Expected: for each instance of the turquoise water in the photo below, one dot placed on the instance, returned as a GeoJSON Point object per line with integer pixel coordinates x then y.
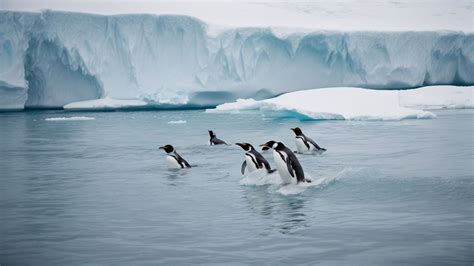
{"type": "Point", "coordinates": [98, 191]}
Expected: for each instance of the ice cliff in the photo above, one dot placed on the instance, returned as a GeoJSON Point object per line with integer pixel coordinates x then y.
{"type": "Point", "coordinates": [51, 59]}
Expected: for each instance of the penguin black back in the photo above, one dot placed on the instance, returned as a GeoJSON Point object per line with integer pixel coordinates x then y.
{"type": "Point", "coordinates": [257, 158]}
{"type": "Point", "coordinates": [213, 140]}
{"type": "Point", "coordinates": [287, 163]}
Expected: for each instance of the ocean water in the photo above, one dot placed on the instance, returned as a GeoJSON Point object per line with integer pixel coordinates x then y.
{"type": "Point", "coordinates": [95, 189]}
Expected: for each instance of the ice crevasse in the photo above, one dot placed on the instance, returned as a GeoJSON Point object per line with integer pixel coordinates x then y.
{"type": "Point", "coordinates": [51, 59]}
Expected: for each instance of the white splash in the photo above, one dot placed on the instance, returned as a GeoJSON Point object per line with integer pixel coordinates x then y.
{"type": "Point", "coordinates": [292, 189]}
{"type": "Point", "coordinates": [260, 178]}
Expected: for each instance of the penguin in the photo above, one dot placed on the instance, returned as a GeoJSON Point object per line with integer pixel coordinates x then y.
{"type": "Point", "coordinates": [305, 144]}
{"type": "Point", "coordinates": [173, 159]}
{"type": "Point", "coordinates": [214, 140]}
{"type": "Point", "coordinates": [286, 163]}
{"type": "Point", "coordinates": [253, 159]}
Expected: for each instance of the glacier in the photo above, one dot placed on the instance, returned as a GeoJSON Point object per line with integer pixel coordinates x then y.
{"type": "Point", "coordinates": [51, 59]}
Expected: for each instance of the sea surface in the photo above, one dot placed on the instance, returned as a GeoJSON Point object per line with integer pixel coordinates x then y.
{"type": "Point", "coordinates": [94, 189]}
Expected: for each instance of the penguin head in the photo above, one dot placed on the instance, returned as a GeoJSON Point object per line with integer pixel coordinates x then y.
{"type": "Point", "coordinates": [271, 145]}
{"type": "Point", "coordinates": [246, 146]}
{"type": "Point", "coordinates": [297, 131]}
{"type": "Point", "coordinates": [211, 133]}
{"type": "Point", "coordinates": [167, 148]}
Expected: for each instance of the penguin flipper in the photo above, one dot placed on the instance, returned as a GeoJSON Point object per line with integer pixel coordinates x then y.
{"type": "Point", "coordinates": [262, 161]}
{"type": "Point", "coordinates": [315, 144]}
{"type": "Point", "coordinates": [182, 161]}
{"type": "Point", "coordinates": [290, 168]}
{"type": "Point", "coordinates": [186, 163]}
{"type": "Point", "coordinates": [242, 168]}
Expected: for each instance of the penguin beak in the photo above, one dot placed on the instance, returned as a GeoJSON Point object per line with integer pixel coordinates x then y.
{"type": "Point", "coordinates": [264, 145]}
{"type": "Point", "coordinates": [161, 148]}
{"type": "Point", "coordinates": [239, 144]}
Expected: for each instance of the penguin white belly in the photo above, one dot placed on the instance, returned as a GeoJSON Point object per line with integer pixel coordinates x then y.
{"type": "Point", "coordinates": [300, 145]}
{"type": "Point", "coordinates": [171, 162]}
{"type": "Point", "coordinates": [250, 164]}
{"type": "Point", "coordinates": [285, 176]}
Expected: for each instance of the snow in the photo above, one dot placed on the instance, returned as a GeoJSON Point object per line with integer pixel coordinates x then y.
{"type": "Point", "coordinates": [104, 104]}
{"type": "Point", "coordinates": [351, 103]}
{"type": "Point", "coordinates": [59, 58]}
{"type": "Point", "coordinates": [438, 97]}
{"type": "Point", "coordinates": [73, 118]}
{"type": "Point", "coordinates": [347, 15]}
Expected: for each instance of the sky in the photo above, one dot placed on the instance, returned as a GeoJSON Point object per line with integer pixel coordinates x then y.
{"type": "Point", "coordinates": [378, 15]}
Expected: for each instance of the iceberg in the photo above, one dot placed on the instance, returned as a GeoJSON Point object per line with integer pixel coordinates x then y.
{"type": "Point", "coordinates": [351, 103]}
{"type": "Point", "coordinates": [51, 59]}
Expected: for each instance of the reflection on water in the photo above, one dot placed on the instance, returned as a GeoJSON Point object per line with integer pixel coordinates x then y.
{"type": "Point", "coordinates": [285, 213]}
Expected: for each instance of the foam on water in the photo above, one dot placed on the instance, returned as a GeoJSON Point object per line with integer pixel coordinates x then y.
{"type": "Point", "coordinates": [177, 122]}
{"type": "Point", "coordinates": [293, 189]}
{"type": "Point", "coordinates": [72, 118]}
{"type": "Point", "coordinates": [262, 178]}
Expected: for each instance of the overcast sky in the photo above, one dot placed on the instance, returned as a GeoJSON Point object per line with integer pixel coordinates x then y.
{"type": "Point", "coordinates": [320, 14]}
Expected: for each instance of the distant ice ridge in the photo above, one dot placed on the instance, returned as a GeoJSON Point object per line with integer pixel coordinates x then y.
{"type": "Point", "coordinates": [51, 59]}
{"type": "Point", "coordinates": [356, 103]}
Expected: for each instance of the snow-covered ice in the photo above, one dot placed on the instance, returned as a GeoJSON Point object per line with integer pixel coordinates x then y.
{"type": "Point", "coordinates": [104, 104]}
{"type": "Point", "coordinates": [347, 15]}
{"type": "Point", "coordinates": [438, 97]}
{"type": "Point", "coordinates": [356, 103]}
